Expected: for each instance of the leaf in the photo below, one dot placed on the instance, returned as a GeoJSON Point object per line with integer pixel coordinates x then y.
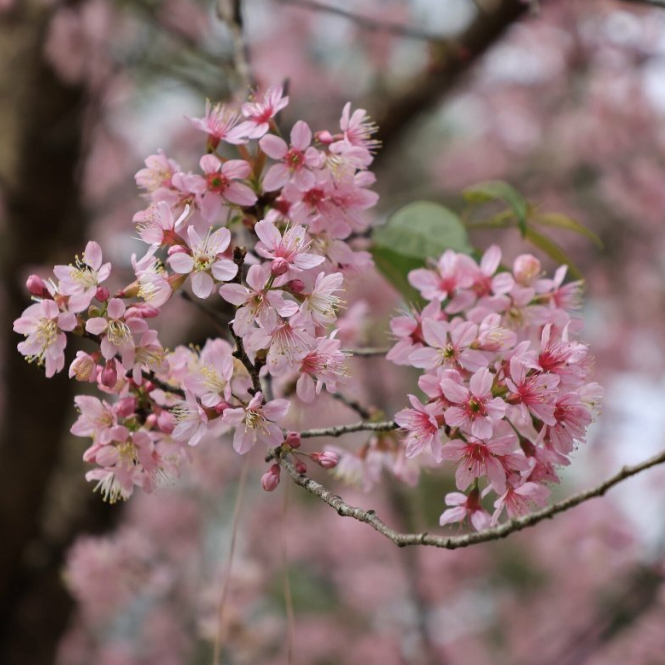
{"type": "Point", "coordinates": [419, 231]}
{"type": "Point", "coordinates": [553, 250]}
{"type": "Point", "coordinates": [565, 222]}
{"type": "Point", "coordinates": [502, 191]}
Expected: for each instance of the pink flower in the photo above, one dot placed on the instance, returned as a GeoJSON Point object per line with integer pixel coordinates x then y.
{"type": "Point", "coordinates": [322, 304]}
{"type": "Point", "coordinates": [259, 113]}
{"type": "Point", "coordinates": [80, 282]}
{"type": "Point", "coordinates": [157, 226]}
{"type": "Point", "coordinates": [97, 420]}
{"type": "Point", "coordinates": [358, 128]}
{"type": "Point", "coordinates": [463, 506]}
{"type": "Point", "coordinates": [116, 334]}
{"type": "Point", "coordinates": [477, 459]}
{"type": "Point", "coordinates": [409, 332]}
{"type": "Point", "coordinates": [454, 271]}
{"type": "Point", "coordinates": [296, 160]}
{"type": "Point", "coordinates": [210, 380]}
{"type": "Point", "coordinates": [191, 420]}
{"type": "Point", "coordinates": [205, 260]}
{"type": "Point", "coordinates": [570, 420]}
{"type": "Point", "coordinates": [158, 172]}
{"type": "Point", "coordinates": [477, 411]}
{"type": "Point", "coordinates": [219, 123]}
{"type": "Point", "coordinates": [153, 283]}
{"type": "Point", "coordinates": [324, 366]}
{"type": "Point", "coordinates": [83, 368]}
{"type": "Point", "coordinates": [449, 345]}
{"type": "Point", "coordinates": [44, 327]}
{"type": "Point", "coordinates": [257, 302]}
{"type": "Point", "coordinates": [516, 500]}
{"type": "Point", "coordinates": [256, 423]}
{"type": "Point", "coordinates": [289, 249]}
{"type": "Point", "coordinates": [422, 423]}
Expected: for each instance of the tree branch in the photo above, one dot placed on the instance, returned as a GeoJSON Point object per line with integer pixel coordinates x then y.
{"type": "Point", "coordinates": [456, 542]}
{"type": "Point", "coordinates": [339, 430]}
{"type": "Point", "coordinates": [366, 352]}
{"type": "Point", "coordinates": [366, 22]}
{"type": "Point", "coordinates": [230, 11]}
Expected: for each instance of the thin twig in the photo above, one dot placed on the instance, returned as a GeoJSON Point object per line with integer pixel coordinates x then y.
{"type": "Point", "coordinates": [361, 410]}
{"type": "Point", "coordinates": [366, 352]}
{"type": "Point", "coordinates": [339, 430]}
{"type": "Point", "coordinates": [218, 318]}
{"type": "Point", "coordinates": [230, 11]}
{"type": "Point", "coordinates": [365, 22]}
{"type": "Point", "coordinates": [456, 542]}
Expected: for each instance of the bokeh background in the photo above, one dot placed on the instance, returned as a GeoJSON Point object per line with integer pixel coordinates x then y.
{"type": "Point", "coordinates": [564, 99]}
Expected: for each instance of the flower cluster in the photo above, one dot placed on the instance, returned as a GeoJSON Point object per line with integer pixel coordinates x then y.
{"type": "Point", "coordinates": [266, 227]}
{"type": "Point", "coordinates": [506, 384]}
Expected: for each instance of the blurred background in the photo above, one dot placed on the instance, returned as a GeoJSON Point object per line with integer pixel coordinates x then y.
{"type": "Point", "coordinates": [562, 98]}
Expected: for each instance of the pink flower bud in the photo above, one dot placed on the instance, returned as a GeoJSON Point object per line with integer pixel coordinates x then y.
{"type": "Point", "coordinates": [125, 407]}
{"type": "Point", "coordinates": [279, 266]}
{"type": "Point", "coordinates": [526, 268]}
{"type": "Point", "coordinates": [324, 137]}
{"type": "Point", "coordinates": [177, 249]}
{"type": "Point", "coordinates": [166, 422]}
{"type": "Point", "coordinates": [109, 375]}
{"type": "Point", "coordinates": [293, 439]}
{"type": "Point", "coordinates": [141, 310]}
{"type": "Point", "coordinates": [37, 287]}
{"type": "Point", "coordinates": [270, 479]}
{"type": "Point", "coordinates": [151, 421]}
{"type": "Point", "coordinates": [221, 407]}
{"type": "Point", "coordinates": [328, 460]}
{"type": "Point", "coordinates": [297, 285]}
{"type": "Point", "coordinates": [301, 467]}
{"type": "Point", "coordinates": [102, 294]}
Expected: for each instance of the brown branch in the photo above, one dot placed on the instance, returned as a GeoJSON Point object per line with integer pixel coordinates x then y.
{"type": "Point", "coordinates": [339, 430]}
{"type": "Point", "coordinates": [361, 410]}
{"type": "Point", "coordinates": [365, 22]}
{"type": "Point", "coordinates": [230, 11]}
{"type": "Point", "coordinates": [456, 542]}
{"type": "Point", "coordinates": [366, 352]}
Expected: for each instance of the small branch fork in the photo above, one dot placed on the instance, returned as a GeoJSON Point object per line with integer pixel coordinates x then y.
{"type": "Point", "coordinates": [448, 542]}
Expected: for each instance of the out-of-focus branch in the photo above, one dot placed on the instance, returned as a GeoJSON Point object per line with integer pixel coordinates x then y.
{"type": "Point", "coordinates": [456, 542]}
{"type": "Point", "coordinates": [366, 22]}
{"type": "Point", "coordinates": [230, 11]}
{"type": "Point", "coordinates": [361, 410]}
{"type": "Point", "coordinates": [339, 430]}
{"type": "Point", "coordinates": [450, 62]}
{"type": "Point", "coordinates": [652, 3]}
{"type": "Point", "coordinates": [366, 352]}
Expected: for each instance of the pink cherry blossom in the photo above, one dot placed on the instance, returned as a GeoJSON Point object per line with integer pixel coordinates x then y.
{"type": "Point", "coordinates": [461, 507]}
{"type": "Point", "coordinates": [322, 304]}
{"type": "Point", "coordinates": [454, 271]}
{"type": "Point", "coordinates": [261, 111]}
{"type": "Point", "coordinates": [221, 124]}
{"type": "Point", "coordinates": [191, 420]}
{"type": "Point", "coordinates": [324, 366]}
{"type": "Point", "coordinates": [44, 327]}
{"type": "Point", "coordinates": [422, 422]}
{"type": "Point", "coordinates": [516, 500]}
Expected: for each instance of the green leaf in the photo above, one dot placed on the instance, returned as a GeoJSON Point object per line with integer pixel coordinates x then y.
{"type": "Point", "coordinates": [502, 191]}
{"type": "Point", "coordinates": [415, 233]}
{"type": "Point", "coordinates": [553, 250]}
{"type": "Point", "coordinates": [565, 222]}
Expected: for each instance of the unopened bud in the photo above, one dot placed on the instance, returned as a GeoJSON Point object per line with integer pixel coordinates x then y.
{"type": "Point", "coordinates": [109, 376]}
{"type": "Point", "coordinates": [293, 439]}
{"type": "Point", "coordinates": [37, 287]}
{"type": "Point", "coordinates": [125, 407]}
{"type": "Point", "coordinates": [166, 422]}
{"type": "Point", "coordinates": [141, 310]}
{"type": "Point", "coordinates": [177, 249]}
{"type": "Point", "coordinates": [151, 421]}
{"type": "Point", "coordinates": [102, 294]}
{"type": "Point", "coordinates": [279, 266]}
{"type": "Point", "coordinates": [324, 137]}
{"type": "Point", "coordinates": [270, 479]}
{"type": "Point", "coordinates": [297, 285]}
{"type": "Point", "coordinates": [526, 268]}
{"type": "Point", "coordinates": [328, 460]}
{"type": "Point", "coordinates": [301, 467]}
{"type": "Point", "coordinates": [221, 407]}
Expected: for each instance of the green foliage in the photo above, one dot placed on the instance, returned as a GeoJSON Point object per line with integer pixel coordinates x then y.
{"type": "Point", "coordinates": [419, 231]}
{"type": "Point", "coordinates": [502, 191]}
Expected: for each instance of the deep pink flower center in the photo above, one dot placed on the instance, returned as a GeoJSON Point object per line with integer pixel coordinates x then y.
{"type": "Point", "coordinates": [217, 182]}
{"type": "Point", "coordinates": [294, 159]}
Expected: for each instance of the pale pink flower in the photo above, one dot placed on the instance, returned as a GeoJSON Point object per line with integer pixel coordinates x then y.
{"type": "Point", "coordinates": [260, 112]}
{"type": "Point", "coordinates": [157, 226]}
{"type": "Point", "coordinates": [44, 327]}
{"type": "Point", "coordinates": [257, 302]}
{"type": "Point", "coordinates": [210, 380]}
{"type": "Point", "coordinates": [205, 260]}
{"type": "Point", "coordinates": [158, 172]}
{"type": "Point", "coordinates": [153, 283]}
{"type": "Point", "coordinates": [220, 123]}
{"type": "Point", "coordinates": [97, 420]}
{"type": "Point", "coordinates": [477, 459]}
{"type": "Point", "coordinates": [526, 269]}
{"type": "Point", "coordinates": [83, 367]}
{"type": "Point", "coordinates": [358, 128]}
{"type": "Point", "coordinates": [324, 366]}
{"type": "Point", "coordinates": [80, 281]}
{"type": "Point", "coordinates": [409, 332]}
{"type": "Point", "coordinates": [362, 470]}
{"type": "Point", "coordinates": [476, 412]}
{"type": "Point", "coordinates": [256, 423]}
{"type": "Point", "coordinates": [449, 345]}
{"type": "Point", "coordinates": [322, 304]}
{"type": "Point", "coordinates": [516, 500]}
{"type": "Point", "coordinates": [422, 422]}
{"type": "Point", "coordinates": [532, 391]}
{"type": "Point", "coordinates": [486, 281]}
{"type": "Point", "coordinates": [570, 420]}
{"type": "Point", "coordinates": [191, 420]}
{"type": "Point", "coordinates": [461, 507]}
{"type": "Point", "coordinates": [114, 330]}
{"type": "Point", "coordinates": [454, 271]}
{"type": "Point", "coordinates": [148, 352]}
{"type": "Point", "coordinates": [296, 160]}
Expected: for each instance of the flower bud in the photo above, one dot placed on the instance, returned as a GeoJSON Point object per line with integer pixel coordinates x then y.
{"type": "Point", "coordinates": [151, 421]}
{"type": "Point", "coordinates": [109, 376]}
{"type": "Point", "coordinates": [297, 285]}
{"type": "Point", "coordinates": [327, 459]}
{"type": "Point", "coordinates": [141, 310]}
{"type": "Point", "coordinates": [177, 249]}
{"type": "Point", "coordinates": [526, 268]}
{"type": "Point", "coordinates": [166, 422]}
{"type": "Point", "coordinates": [279, 266]}
{"type": "Point", "coordinates": [270, 479]}
{"type": "Point", "coordinates": [324, 137]}
{"type": "Point", "coordinates": [102, 294]}
{"type": "Point", "coordinates": [301, 467]}
{"type": "Point", "coordinates": [293, 439]}
{"type": "Point", "coordinates": [125, 407]}
{"type": "Point", "coordinates": [37, 287]}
